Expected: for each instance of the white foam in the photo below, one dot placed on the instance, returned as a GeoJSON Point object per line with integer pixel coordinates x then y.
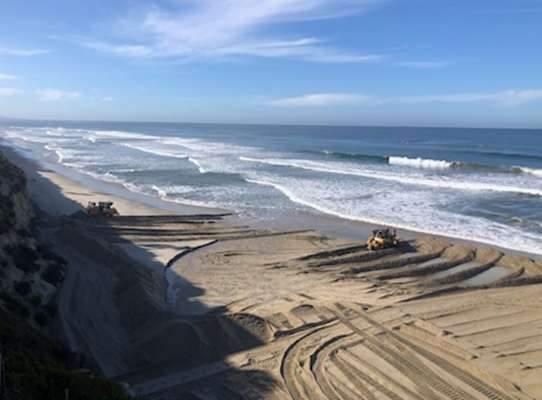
{"type": "Point", "coordinates": [531, 171]}
{"type": "Point", "coordinates": [161, 192]}
{"type": "Point", "coordinates": [164, 191]}
{"type": "Point", "coordinates": [197, 164]}
{"type": "Point", "coordinates": [122, 135]}
{"type": "Point", "coordinates": [411, 210]}
{"type": "Point", "coordinates": [434, 181]}
{"type": "Point", "coordinates": [419, 162]}
{"type": "Point", "coordinates": [414, 191]}
{"type": "Point", "coordinates": [147, 148]}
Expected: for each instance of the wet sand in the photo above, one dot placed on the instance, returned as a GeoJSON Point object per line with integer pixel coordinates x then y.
{"type": "Point", "coordinates": [180, 302]}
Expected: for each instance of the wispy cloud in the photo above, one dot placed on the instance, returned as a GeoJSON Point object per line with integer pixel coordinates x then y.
{"type": "Point", "coordinates": [509, 98]}
{"type": "Point", "coordinates": [7, 51]}
{"type": "Point", "coordinates": [222, 29]}
{"type": "Point", "coordinates": [4, 92]}
{"type": "Point", "coordinates": [505, 97]}
{"type": "Point", "coordinates": [7, 77]}
{"type": "Point", "coordinates": [322, 99]}
{"type": "Point", "coordinates": [121, 50]}
{"type": "Point", "coordinates": [55, 95]}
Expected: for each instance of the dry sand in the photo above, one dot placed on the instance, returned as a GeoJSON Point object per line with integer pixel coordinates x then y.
{"type": "Point", "coordinates": [269, 314]}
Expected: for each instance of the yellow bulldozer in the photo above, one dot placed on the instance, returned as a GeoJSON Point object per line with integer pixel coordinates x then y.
{"type": "Point", "coordinates": [381, 239]}
{"type": "Point", "coordinates": [102, 209]}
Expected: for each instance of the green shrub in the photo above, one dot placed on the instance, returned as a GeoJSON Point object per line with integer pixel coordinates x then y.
{"type": "Point", "coordinates": [41, 318]}
{"type": "Point", "coordinates": [36, 300]}
{"type": "Point", "coordinates": [49, 254]}
{"type": "Point", "coordinates": [14, 305]}
{"type": "Point", "coordinates": [7, 214]}
{"type": "Point", "coordinates": [23, 256]}
{"type": "Point", "coordinates": [28, 377]}
{"type": "Point", "coordinates": [24, 233]}
{"type": "Point", "coordinates": [23, 288]}
{"type": "Point", "coordinates": [54, 274]}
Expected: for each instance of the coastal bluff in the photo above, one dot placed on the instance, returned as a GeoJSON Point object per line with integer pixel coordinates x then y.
{"type": "Point", "coordinates": [33, 365]}
{"type": "Point", "coordinates": [30, 271]}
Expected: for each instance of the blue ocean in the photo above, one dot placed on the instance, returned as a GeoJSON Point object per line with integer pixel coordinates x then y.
{"type": "Point", "coordinates": [476, 184]}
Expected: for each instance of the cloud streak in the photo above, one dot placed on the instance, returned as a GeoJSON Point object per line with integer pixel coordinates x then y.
{"type": "Point", "coordinates": [56, 95]}
{"type": "Point", "coordinates": [5, 92]}
{"type": "Point", "coordinates": [7, 51]}
{"type": "Point", "coordinates": [322, 99]}
{"type": "Point", "coordinates": [508, 98]}
{"type": "Point", "coordinates": [223, 29]}
{"type": "Point", "coordinates": [7, 77]}
{"type": "Point", "coordinates": [505, 97]}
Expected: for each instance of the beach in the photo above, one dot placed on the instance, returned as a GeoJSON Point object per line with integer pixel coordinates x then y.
{"type": "Point", "coordinates": [176, 300]}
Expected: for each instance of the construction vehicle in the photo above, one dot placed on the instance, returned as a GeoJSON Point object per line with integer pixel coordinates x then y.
{"type": "Point", "coordinates": [102, 209]}
{"type": "Point", "coordinates": [381, 239]}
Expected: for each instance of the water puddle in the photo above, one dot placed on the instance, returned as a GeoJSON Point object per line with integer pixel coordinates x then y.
{"type": "Point", "coordinates": [486, 277]}
{"type": "Point", "coordinates": [456, 269]}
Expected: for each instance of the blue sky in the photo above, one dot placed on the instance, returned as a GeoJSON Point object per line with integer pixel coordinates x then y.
{"type": "Point", "coordinates": [347, 62]}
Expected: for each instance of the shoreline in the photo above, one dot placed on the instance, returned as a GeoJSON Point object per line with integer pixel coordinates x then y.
{"type": "Point", "coordinates": [77, 190]}
{"type": "Point", "coordinates": [88, 188]}
{"type": "Point", "coordinates": [266, 296]}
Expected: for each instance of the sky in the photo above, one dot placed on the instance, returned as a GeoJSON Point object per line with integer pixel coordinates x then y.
{"type": "Point", "coordinates": [467, 63]}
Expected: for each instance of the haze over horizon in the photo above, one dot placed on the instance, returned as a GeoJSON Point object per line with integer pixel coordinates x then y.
{"type": "Point", "coordinates": [330, 62]}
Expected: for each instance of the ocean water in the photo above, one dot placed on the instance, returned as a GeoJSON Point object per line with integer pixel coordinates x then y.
{"type": "Point", "coordinates": [475, 184]}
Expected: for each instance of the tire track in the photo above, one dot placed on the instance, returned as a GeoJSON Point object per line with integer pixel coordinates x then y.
{"type": "Point", "coordinates": [290, 360]}
{"type": "Point", "coordinates": [429, 382]}
{"type": "Point", "coordinates": [401, 388]}
{"type": "Point", "coordinates": [317, 364]}
{"type": "Point", "coordinates": [353, 377]}
{"type": "Point", "coordinates": [477, 384]}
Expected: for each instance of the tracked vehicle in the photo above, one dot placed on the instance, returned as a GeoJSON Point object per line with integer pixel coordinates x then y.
{"type": "Point", "coordinates": [381, 239]}
{"type": "Point", "coordinates": [102, 209]}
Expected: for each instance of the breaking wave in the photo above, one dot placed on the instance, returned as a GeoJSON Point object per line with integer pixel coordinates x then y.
{"type": "Point", "coordinates": [420, 162]}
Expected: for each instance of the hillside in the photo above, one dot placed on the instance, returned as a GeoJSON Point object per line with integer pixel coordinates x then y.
{"type": "Point", "coordinates": [30, 272]}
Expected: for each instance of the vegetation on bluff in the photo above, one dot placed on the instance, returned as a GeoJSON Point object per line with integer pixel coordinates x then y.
{"type": "Point", "coordinates": [34, 366]}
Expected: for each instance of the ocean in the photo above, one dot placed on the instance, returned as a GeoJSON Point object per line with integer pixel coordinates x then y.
{"type": "Point", "coordinates": [483, 185]}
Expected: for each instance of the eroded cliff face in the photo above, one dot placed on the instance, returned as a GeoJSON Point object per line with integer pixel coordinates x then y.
{"type": "Point", "coordinates": [29, 271]}
{"type": "Point", "coordinates": [15, 207]}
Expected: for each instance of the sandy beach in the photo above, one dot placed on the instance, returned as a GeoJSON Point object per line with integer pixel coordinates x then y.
{"type": "Point", "coordinates": [182, 302]}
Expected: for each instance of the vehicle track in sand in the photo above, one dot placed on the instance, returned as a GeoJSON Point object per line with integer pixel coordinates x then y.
{"type": "Point", "coordinates": [395, 349]}
{"type": "Point", "coordinates": [292, 363]}
{"type": "Point", "coordinates": [324, 346]}
{"type": "Point", "coordinates": [317, 366]}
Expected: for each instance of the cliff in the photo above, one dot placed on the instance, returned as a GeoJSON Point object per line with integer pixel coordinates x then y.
{"type": "Point", "coordinates": [29, 271]}
{"type": "Point", "coordinates": [34, 367]}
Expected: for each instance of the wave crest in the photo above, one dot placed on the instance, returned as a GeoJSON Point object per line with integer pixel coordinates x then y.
{"type": "Point", "coordinates": [420, 162]}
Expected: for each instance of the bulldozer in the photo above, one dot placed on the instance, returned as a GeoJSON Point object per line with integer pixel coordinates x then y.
{"type": "Point", "coordinates": [102, 209]}
{"type": "Point", "coordinates": [381, 239]}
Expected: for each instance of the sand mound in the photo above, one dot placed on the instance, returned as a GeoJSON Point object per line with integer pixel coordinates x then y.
{"type": "Point", "coordinates": [156, 333]}
{"type": "Point", "coordinates": [465, 252]}
{"type": "Point", "coordinates": [251, 327]}
{"type": "Point", "coordinates": [486, 255]}
{"type": "Point", "coordinates": [174, 340]}
{"type": "Point", "coordinates": [429, 245]}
